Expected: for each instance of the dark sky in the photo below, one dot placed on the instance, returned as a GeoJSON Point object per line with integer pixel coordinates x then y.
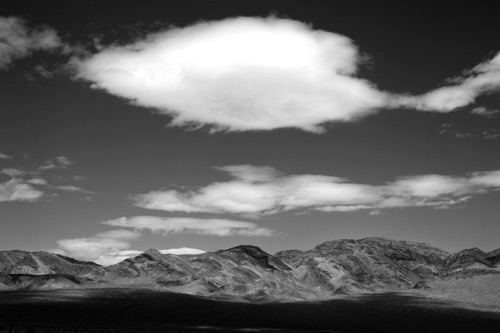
{"type": "Point", "coordinates": [118, 150]}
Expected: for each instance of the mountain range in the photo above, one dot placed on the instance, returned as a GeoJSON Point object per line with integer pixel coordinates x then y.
{"type": "Point", "coordinates": [336, 267]}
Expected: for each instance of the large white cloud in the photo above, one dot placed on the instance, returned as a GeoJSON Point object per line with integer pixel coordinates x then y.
{"type": "Point", "coordinates": [244, 73]}
{"type": "Point", "coordinates": [239, 74]}
{"type": "Point", "coordinates": [262, 190]}
{"type": "Point", "coordinates": [18, 40]}
{"type": "Point", "coordinates": [175, 225]}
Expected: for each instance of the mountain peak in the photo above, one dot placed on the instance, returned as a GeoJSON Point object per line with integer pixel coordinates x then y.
{"type": "Point", "coordinates": [152, 253]}
{"type": "Point", "coordinates": [255, 253]}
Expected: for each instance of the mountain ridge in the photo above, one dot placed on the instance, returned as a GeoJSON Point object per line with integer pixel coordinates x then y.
{"type": "Point", "coordinates": [344, 266]}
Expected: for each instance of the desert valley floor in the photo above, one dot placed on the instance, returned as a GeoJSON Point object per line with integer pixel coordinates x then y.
{"type": "Point", "coordinates": [132, 310]}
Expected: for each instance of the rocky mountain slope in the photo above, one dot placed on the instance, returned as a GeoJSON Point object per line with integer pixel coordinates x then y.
{"type": "Point", "coordinates": [246, 271]}
{"type": "Point", "coordinates": [365, 265]}
{"type": "Point", "coordinates": [42, 270]}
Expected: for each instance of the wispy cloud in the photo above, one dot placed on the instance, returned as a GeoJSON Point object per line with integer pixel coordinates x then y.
{"type": "Point", "coordinates": [18, 190]}
{"type": "Point", "coordinates": [176, 225]}
{"type": "Point", "coordinates": [451, 130]}
{"type": "Point", "coordinates": [485, 112]}
{"type": "Point", "coordinates": [91, 248]}
{"type": "Point", "coordinates": [59, 162]}
{"type": "Point", "coordinates": [262, 190]}
{"type": "Point", "coordinates": [13, 172]}
{"type": "Point", "coordinates": [32, 185]}
{"type": "Point", "coordinates": [71, 188]}
{"type": "Point", "coordinates": [18, 40]}
{"type": "Point", "coordinates": [5, 156]}
{"type": "Point", "coordinates": [460, 91]}
{"type": "Point", "coordinates": [491, 134]}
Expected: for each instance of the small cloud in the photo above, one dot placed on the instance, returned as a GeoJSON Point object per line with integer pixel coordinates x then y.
{"type": "Point", "coordinates": [18, 190]}
{"type": "Point", "coordinates": [484, 112]}
{"type": "Point", "coordinates": [60, 162]}
{"type": "Point", "coordinates": [116, 257]}
{"type": "Point", "coordinates": [91, 248]}
{"type": "Point", "coordinates": [37, 181]}
{"type": "Point", "coordinates": [42, 71]}
{"type": "Point", "coordinates": [71, 188]}
{"type": "Point", "coordinates": [108, 259]}
{"type": "Point", "coordinates": [176, 225]}
{"type": "Point", "coordinates": [491, 135]}
{"type": "Point", "coordinates": [13, 172]}
{"type": "Point", "coordinates": [29, 185]}
{"type": "Point", "coordinates": [182, 250]}
{"type": "Point", "coordinates": [18, 40]}
{"type": "Point", "coordinates": [5, 156]}
{"type": "Point", "coordinates": [463, 134]}
{"type": "Point", "coordinates": [451, 130]}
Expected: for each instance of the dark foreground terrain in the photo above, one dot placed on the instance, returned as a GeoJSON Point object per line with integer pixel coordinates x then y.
{"type": "Point", "coordinates": [125, 310]}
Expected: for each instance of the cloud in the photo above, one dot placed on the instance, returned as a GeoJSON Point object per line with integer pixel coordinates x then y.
{"type": "Point", "coordinates": [71, 188]}
{"type": "Point", "coordinates": [5, 156]}
{"type": "Point", "coordinates": [251, 74]}
{"type": "Point", "coordinates": [113, 258]}
{"type": "Point", "coordinates": [59, 162]}
{"type": "Point", "coordinates": [91, 248]}
{"type": "Point", "coordinates": [182, 250]}
{"type": "Point", "coordinates": [18, 40]}
{"type": "Point", "coordinates": [485, 112]}
{"type": "Point", "coordinates": [37, 181]}
{"type": "Point", "coordinates": [463, 90]}
{"type": "Point", "coordinates": [239, 74]}
{"type": "Point", "coordinates": [255, 191]}
{"type": "Point", "coordinates": [29, 185]}
{"type": "Point", "coordinates": [491, 135]}
{"type": "Point", "coordinates": [18, 190]}
{"type": "Point", "coordinates": [176, 225]}
{"type": "Point", "coordinates": [13, 172]}
{"type": "Point", "coordinates": [116, 257]}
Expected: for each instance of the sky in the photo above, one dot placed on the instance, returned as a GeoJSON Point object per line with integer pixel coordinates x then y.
{"type": "Point", "coordinates": [191, 126]}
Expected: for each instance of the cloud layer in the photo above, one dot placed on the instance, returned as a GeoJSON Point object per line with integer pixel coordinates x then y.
{"type": "Point", "coordinates": [239, 74]}
{"type": "Point", "coordinates": [257, 190]}
{"type": "Point", "coordinates": [18, 40]}
{"type": "Point", "coordinates": [176, 225]}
